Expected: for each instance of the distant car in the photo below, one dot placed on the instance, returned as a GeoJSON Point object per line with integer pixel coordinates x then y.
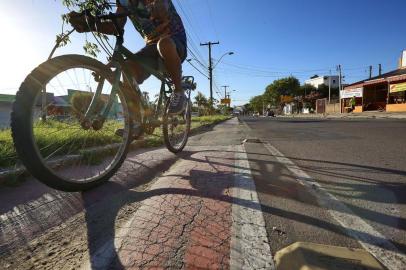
{"type": "Point", "coordinates": [255, 114]}
{"type": "Point", "coordinates": [195, 114]}
{"type": "Point", "coordinates": [271, 113]}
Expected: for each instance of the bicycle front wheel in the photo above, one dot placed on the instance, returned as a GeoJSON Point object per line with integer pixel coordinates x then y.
{"type": "Point", "coordinates": [176, 129]}
{"type": "Point", "coordinates": [49, 132]}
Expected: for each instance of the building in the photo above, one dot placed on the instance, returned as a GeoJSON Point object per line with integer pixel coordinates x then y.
{"type": "Point", "coordinates": [317, 81]}
{"type": "Point", "coordinates": [56, 106]}
{"type": "Point", "coordinates": [402, 60]}
{"type": "Point", "coordinates": [386, 92]}
{"type": "Point", "coordinates": [6, 103]}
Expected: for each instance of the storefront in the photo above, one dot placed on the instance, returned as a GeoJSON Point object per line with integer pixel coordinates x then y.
{"type": "Point", "coordinates": [355, 91]}
{"type": "Point", "coordinates": [397, 97]}
{"type": "Point", "coordinates": [386, 92]}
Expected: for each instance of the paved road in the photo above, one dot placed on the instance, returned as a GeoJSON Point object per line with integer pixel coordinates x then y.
{"type": "Point", "coordinates": [359, 162]}
{"type": "Point", "coordinates": [222, 203]}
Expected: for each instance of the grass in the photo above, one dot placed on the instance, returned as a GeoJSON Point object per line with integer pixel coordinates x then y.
{"type": "Point", "coordinates": [73, 139]}
{"type": "Point", "coordinates": [8, 156]}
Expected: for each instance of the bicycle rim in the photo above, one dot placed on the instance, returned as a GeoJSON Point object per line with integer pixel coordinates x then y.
{"type": "Point", "coordinates": [176, 129]}
{"type": "Point", "coordinates": [75, 155]}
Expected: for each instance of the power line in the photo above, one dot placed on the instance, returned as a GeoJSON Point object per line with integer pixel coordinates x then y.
{"type": "Point", "coordinates": [211, 19]}
{"type": "Point", "coordinates": [198, 70]}
{"type": "Point", "coordinates": [192, 30]}
{"type": "Point", "coordinates": [270, 70]}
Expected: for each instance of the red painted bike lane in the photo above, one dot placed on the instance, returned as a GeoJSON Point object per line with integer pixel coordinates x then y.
{"type": "Point", "coordinates": [185, 222]}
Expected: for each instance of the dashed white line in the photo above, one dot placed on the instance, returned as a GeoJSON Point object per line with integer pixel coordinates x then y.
{"type": "Point", "coordinates": [249, 241]}
{"type": "Point", "coordinates": [373, 241]}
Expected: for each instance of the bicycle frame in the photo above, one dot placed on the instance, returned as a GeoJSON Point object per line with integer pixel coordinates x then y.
{"type": "Point", "coordinates": [120, 55]}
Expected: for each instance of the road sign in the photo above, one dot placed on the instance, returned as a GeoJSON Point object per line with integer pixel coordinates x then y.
{"type": "Point", "coordinates": [225, 101]}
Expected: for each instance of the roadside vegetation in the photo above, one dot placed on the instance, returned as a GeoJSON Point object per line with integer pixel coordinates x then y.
{"type": "Point", "coordinates": [288, 90]}
{"type": "Point", "coordinates": [49, 137]}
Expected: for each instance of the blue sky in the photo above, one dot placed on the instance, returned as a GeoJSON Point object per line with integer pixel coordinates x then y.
{"type": "Point", "coordinates": [270, 38]}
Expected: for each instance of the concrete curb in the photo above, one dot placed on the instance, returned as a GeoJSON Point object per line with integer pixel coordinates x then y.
{"type": "Point", "coordinates": [347, 116]}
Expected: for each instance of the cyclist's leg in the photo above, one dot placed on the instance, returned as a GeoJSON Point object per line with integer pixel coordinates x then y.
{"type": "Point", "coordinates": [173, 51]}
{"type": "Point", "coordinates": [168, 52]}
{"type": "Point", "coordinates": [150, 53]}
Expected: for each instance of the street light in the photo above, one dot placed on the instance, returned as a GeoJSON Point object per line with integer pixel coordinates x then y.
{"type": "Point", "coordinates": [228, 95]}
{"type": "Point", "coordinates": [228, 53]}
{"type": "Point", "coordinates": [211, 67]}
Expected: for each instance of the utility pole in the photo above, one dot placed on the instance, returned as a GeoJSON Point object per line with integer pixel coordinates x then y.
{"type": "Point", "coordinates": [225, 90]}
{"type": "Point", "coordinates": [380, 69]}
{"type": "Point", "coordinates": [209, 44]}
{"type": "Point", "coordinates": [370, 72]}
{"type": "Point", "coordinates": [329, 88]}
{"type": "Point", "coordinates": [339, 69]}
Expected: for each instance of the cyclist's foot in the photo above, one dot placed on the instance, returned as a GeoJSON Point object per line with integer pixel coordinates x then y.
{"type": "Point", "coordinates": [178, 103]}
{"type": "Point", "coordinates": [136, 131]}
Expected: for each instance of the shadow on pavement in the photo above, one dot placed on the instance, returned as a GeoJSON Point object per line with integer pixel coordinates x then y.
{"type": "Point", "coordinates": [204, 187]}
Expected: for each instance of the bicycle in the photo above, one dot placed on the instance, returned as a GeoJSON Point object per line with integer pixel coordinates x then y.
{"type": "Point", "coordinates": [68, 138]}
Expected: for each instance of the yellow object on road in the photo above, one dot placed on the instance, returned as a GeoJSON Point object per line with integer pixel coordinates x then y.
{"type": "Point", "coordinates": [308, 256]}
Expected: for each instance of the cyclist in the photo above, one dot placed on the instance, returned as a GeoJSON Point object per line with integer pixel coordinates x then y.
{"type": "Point", "coordinates": [162, 29]}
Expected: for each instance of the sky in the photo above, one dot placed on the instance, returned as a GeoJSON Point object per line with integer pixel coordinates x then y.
{"type": "Point", "coordinates": [270, 39]}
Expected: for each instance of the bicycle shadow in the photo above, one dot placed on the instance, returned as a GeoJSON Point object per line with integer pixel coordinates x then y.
{"type": "Point", "coordinates": [104, 243]}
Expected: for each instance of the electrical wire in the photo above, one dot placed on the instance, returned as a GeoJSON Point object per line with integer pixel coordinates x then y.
{"type": "Point", "coordinates": [198, 70]}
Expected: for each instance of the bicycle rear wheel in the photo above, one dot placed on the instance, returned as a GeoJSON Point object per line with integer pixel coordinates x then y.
{"type": "Point", "coordinates": [176, 129]}
{"type": "Point", "coordinates": [49, 133]}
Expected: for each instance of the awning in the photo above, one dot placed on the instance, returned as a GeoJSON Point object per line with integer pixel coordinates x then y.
{"type": "Point", "coordinates": [395, 88]}
{"type": "Point", "coordinates": [376, 81]}
{"type": "Point", "coordinates": [397, 78]}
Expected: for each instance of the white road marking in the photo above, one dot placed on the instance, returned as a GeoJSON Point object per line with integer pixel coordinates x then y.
{"type": "Point", "coordinates": [373, 241]}
{"type": "Point", "coordinates": [249, 241]}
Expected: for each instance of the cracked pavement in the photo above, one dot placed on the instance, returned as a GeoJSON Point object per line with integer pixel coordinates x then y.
{"type": "Point", "coordinates": [221, 204]}
{"type": "Point", "coordinates": [181, 219]}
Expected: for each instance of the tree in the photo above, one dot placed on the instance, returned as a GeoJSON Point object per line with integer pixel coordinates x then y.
{"type": "Point", "coordinates": [257, 103]}
{"type": "Point", "coordinates": [306, 89]}
{"type": "Point", "coordinates": [94, 7]}
{"type": "Point", "coordinates": [202, 103]}
{"type": "Point", "coordinates": [289, 86]}
{"type": "Point", "coordinates": [310, 100]}
{"type": "Point", "coordinates": [247, 108]}
{"type": "Point", "coordinates": [324, 89]}
{"type": "Point", "coordinates": [80, 102]}
{"type": "Point", "coordinates": [200, 100]}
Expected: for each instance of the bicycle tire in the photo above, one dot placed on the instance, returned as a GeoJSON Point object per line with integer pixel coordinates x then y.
{"type": "Point", "coordinates": [165, 129]}
{"type": "Point", "coordinates": [21, 122]}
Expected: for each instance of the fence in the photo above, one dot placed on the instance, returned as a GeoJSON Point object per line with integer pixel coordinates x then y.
{"type": "Point", "coordinates": [333, 108]}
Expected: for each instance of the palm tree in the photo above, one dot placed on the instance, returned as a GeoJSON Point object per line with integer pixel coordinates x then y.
{"type": "Point", "coordinates": [201, 102]}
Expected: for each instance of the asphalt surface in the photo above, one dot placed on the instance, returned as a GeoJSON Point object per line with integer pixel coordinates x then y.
{"type": "Point", "coordinates": [360, 162]}
{"type": "Point", "coordinates": [222, 203]}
